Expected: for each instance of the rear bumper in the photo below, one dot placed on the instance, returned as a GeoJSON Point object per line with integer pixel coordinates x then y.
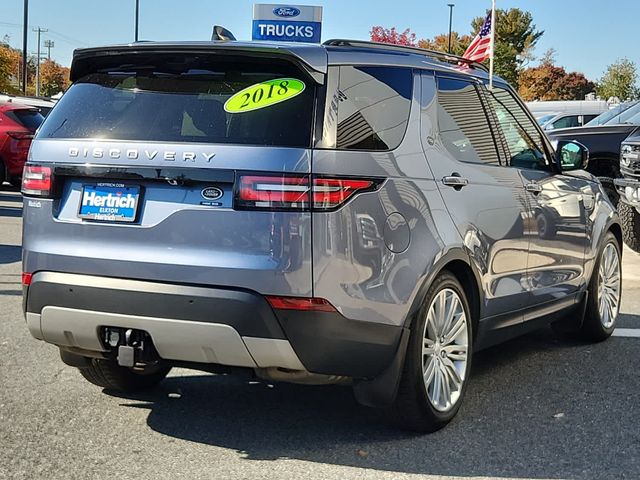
{"type": "Point", "coordinates": [206, 325]}
{"type": "Point", "coordinates": [629, 190]}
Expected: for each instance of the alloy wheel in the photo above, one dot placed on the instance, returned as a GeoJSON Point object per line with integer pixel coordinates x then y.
{"type": "Point", "coordinates": [609, 285]}
{"type": "Point", "coordinates": [445, 350]}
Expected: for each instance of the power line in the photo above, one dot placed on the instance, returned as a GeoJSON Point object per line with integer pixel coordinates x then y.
{"type": "Point", "coordinates": [63, 37]}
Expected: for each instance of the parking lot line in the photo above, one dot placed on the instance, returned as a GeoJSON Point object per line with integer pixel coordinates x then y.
{"type": "Point", "coordinates": [627, 332]}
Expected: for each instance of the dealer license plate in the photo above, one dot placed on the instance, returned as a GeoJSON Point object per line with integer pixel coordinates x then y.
{"type": "Point", "coordinates": [109, 202]}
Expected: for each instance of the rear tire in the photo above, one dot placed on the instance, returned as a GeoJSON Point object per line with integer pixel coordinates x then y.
{"type": "Point", "coordinates": [438, 359]}
{"type": "Point", "coordinates": [3, 172]}
{"type": "Point", "coordinates": [630, 219]}
{"type": "Point", "coordinates": [108, 374]}
{"type": "Point", "coordinates": [605, 292]}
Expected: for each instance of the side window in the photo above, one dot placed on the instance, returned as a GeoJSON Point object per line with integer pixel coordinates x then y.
{"type": "Point", "coordinates": [523, 140]}
{"type": "Point", "coordinates": [566, 122]}
{"type": "Point", "coordinates": [587, 118]}
{"type": "Point", "coordinates": [462, 123]}
{"type": "Point", "coordinates": [367, 108]}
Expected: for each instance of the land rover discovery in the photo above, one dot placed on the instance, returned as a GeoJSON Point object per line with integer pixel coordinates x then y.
{"type": "Point", "coordinates": [349, 213]}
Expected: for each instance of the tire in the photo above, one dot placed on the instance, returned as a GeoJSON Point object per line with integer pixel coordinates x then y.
{"type": "Point", "coordinates": [108, 374]}
{"type": "Point", "coordinates": [630, 219]}
{"type": "Point", "coordinates": [610, 189]}
{"type": "Point", "coordinates": [599, 323]}
{"type": "Point", "coordinates": [3, 172]}
{"type": "Point", "coordinates": [421, 407]}
{"type": "Point", "coordinates": [546, 227]}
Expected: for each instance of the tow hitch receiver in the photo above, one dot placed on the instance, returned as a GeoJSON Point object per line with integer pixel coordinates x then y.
{"type": "Point", "coordinates": [132, 347]}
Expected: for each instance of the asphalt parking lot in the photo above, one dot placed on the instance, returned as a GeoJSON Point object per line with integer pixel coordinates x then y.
{"type": "Point", "coordinates": [537, 407]}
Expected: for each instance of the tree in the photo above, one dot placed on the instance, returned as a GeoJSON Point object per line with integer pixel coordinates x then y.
{"type": "Point", "coordinates": [386, 35]}
{"type": "Point", "coordinates": [550, 82]}
{"type": "Point", "coordinates": [441, 43]}
{"type": "Point", "coordinates": [10, 60]}
{"type": "Point", "coordinates": [516, 37]}
{"type": "Point", "coordinates": [619, 81]}
{"type": "Point", "coordinates": [54, 78]}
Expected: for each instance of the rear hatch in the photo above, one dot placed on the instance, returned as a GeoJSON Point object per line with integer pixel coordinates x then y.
{"type": "Point", "coordinates": [177, 165]}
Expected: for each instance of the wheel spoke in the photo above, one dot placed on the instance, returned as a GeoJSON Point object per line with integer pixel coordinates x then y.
{"type": "Point", "coordinates": [429, 371]}
{"type": "Point", "coordinates": [459, 326]}
{"type": "Point", "coordinates": [446, 387]}
{"type": "Point", "coordinates": [456, 352]}
{"type": "Point", "coordinates": [453, 374]}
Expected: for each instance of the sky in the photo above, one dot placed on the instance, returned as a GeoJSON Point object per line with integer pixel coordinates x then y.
{"type": "Point", "coordinates": [587, 34]}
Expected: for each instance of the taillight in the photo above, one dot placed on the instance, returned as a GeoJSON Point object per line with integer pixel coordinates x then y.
{"type": "Point", "coordinates": [330, 193]}
{"type": "Point", "coordinates": [26, 279]}
{"type": "Point", "coordinates": [273, 193]}
{"type": "Point", "coordinates": [295, 192]}
{"type": "Point", "coordinates": [36, 181]}
{"type": "Point", "coordinates": [21, 135]}
{"type": "Point", "coordinates": [301, 303]}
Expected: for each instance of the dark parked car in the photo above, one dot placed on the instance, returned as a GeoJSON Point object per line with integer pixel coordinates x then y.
{"type": "Point", "coordinates": [603, 137]}
{"type": "Point", "coordinates": [18, 124]}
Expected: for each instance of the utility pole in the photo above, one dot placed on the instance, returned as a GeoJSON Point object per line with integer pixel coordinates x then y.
{"type": "Point", "coordinates": [450, 5]}
{"type": "Point", "coordinates": [24, 46]}
{"type": "Point", "coordinates": [40, 31]}
{"type": "Point", "coordinates": [137, 18]}
{"type": "Point", "coordinates": [49, 44]}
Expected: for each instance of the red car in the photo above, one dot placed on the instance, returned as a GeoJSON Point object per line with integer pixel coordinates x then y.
{"type": "Point", "coordinates": [18, 124]}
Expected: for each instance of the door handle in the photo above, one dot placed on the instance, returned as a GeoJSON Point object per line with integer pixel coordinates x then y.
{"type": "Point", "coordinates": [455, 180]}
{"type": "Point", "coordinates": [533, 187]}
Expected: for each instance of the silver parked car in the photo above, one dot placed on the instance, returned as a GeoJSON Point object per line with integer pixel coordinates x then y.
{"type": "Point", "coordinates": [349, 213]}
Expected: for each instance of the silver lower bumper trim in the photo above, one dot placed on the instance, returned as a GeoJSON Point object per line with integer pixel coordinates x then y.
{"type": "Point", "coordinates": [181, 340]}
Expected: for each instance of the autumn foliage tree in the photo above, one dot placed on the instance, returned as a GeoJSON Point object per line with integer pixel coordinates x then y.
{"type": "Point", "coordinates": [391, 35]}
{"type": "Point", "coordinates": [459, 43]}
{"type": "Point", "coordinates": [550, 82]}
{"type": "Point", "coordinates": [10, 60]}
{"type": "Point", "coordinates": [54, 78]}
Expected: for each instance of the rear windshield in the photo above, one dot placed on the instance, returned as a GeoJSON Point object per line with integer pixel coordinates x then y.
{"type": "Point", "coordinates": [189, 99]}
{"type": "Point", "coordinates": [30, 119]}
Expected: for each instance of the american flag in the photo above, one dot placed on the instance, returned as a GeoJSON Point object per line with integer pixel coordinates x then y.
{"type": "Point", "coordinates": [480, 48]}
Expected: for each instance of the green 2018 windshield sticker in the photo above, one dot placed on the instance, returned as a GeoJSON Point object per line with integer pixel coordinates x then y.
{"type": "Point", "coordinates": [265, 94]}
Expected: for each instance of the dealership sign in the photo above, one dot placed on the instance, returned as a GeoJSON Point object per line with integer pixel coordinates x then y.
{"type": "Point", "coordinates": [287, 23]}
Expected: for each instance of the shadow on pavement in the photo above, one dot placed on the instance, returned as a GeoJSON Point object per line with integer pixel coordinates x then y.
{"type": "Point", "coordinates": [535, 408]}
{"type": "Point", "coordinates": [10, 253]}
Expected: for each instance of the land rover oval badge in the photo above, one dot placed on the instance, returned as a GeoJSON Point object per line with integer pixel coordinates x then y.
{"type": "Point", "coordinates": [212, 193]}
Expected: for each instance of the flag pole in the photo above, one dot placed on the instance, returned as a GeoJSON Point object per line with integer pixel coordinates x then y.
{"type": "Point", "coordinates": [493, 42]}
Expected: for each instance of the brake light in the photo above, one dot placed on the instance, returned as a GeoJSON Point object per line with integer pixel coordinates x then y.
{"type": "Point", "coordinates": [294, 192]}
{"type": "Point", "coordinates": [301, 303]}
{"type": "Point", "coordinates": [26, 278]}
{"type": "Point", "coordinates": [36, 181]}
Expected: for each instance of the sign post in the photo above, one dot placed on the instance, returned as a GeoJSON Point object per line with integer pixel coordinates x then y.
{"type": "Point", "coordinates": [287, 23]}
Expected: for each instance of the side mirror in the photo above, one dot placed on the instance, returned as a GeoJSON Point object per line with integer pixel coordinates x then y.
{"type": "Point", "coordinates": [571, 155]}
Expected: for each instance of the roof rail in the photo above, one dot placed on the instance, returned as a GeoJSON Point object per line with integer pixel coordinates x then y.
{"type": "Point", "coordinates": [441, 56]}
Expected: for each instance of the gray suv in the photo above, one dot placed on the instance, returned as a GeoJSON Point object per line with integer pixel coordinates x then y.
{"type": "Point", "coordinates": [350, 213]}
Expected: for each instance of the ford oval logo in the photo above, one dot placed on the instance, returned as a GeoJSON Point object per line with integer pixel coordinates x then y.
{"type": "Point", "coordinates": [286, 12]}
{"type": "Point", "coordinates": [212, 193]}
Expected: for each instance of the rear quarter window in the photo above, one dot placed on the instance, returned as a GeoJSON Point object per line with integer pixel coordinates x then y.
{"type": "Point", "coordinates": [367, 107]}
{"type": "Point", "coordinates": [28, 118]}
